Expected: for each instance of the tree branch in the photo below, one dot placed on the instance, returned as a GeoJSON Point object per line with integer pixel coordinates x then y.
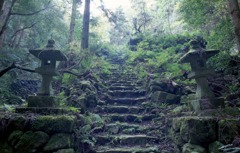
{"type": "Point", "coordinates": [29, 14]}
{"type": "Point", "coordinates": [12, 66]}
{"type": "Point", "coordinates": [25, 69]}
{"type": "Point", "coordinates": [2, 72]}
{"type": "Point", "coordinates": [28, 27]}
{"type": "Point", "coordinates": [76, 74]}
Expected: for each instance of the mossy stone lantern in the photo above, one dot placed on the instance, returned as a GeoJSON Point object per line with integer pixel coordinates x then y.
{"type": "Point", "coordinates": [197, 57]}
{"type": "Point", "coordinates": [48, 56]}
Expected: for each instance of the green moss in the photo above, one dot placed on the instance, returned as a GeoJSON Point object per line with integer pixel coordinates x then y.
{"type": "Point", "coordinates": [65, 151]}
{"type": "Point", "coordinates": [228, 129]}
{"type": "Point", "coordinates": [15, 137]}
{"type": "Point", "coordinates": [59, 141]}
{"type": "Point", "coordinates": [54, 124]}
{"type": "Point", "coordinates": [31, 141]}
{"type": "Point", "coordinates": [196, 130]}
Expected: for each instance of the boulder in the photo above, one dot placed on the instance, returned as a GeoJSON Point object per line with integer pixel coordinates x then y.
{"type": "Point", "coordinates": [195, 130]}
{"type": "Point", "coordinates": [54, 124]}
{"type": "Point", "coordinates": [228, 129]}
{"type": "Point", "coordinates": [214, 147]}
{"type": "Point", "coordinates": [31, 141]}
{"type": "Point", "coordinates": [166, 85]}
{"type": "Point", "coordinates": [5, 147]}
{"type": "Point", "coordinates": [14, 137]}
{"type": "Point", "coordinates": [164, 97]}
{"type": "Point", "coordinates": [59, 141]}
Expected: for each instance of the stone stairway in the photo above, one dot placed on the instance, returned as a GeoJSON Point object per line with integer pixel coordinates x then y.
{"type": "Point", "coordinates": [127, 122]}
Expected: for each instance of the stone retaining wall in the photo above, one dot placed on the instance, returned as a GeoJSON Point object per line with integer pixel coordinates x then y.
{"type": "Point", "coordinates": [31, 133]}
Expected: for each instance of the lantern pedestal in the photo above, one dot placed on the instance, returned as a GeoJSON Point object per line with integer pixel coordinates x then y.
{"type": "Point", "coordinates": [41, 101]}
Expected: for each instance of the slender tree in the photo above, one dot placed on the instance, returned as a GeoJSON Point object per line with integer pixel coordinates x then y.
{"type": "Point", "coordinates": [85, 29]}
{"type": "Point", "coordinates": [5, 15]}
{"type": "Point", "coordinates": [235, 15]}
{"type": "Point", "coordinates": [73, 20]}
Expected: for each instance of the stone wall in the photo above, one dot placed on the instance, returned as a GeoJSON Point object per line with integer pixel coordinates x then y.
{"type": "Point", "coordinates": [37, 133]}
{"type": "Point", "coordinates": [203, 133]}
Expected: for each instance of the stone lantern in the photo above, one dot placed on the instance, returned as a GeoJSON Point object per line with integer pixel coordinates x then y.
{"type": "Point", "coordinates": [48, 56]}
{"type": "Point", "coordinates": [197, 57]}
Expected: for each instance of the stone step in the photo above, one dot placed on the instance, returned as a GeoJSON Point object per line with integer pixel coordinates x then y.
{"type": "Point", "coordinates": [114, 79]}
{"type": "Point", "coordinates": [125, 139]}
{"type": "Point", "coordinates": [121, 109]}
{"type": "Point", "coordinates": [123, 84]}
{"type": "Point", "coordinates": [127, 93]}
{"type": "Point", "coordinates": [121, 88]}
{"type": "Point", "coordinates": [126, 128]}
{"type": "Point", "coordinates": [127, 101]}
{"type": "Point", "coordinates": [131, 118]}
{"type": "Point", "coordinates": [126, 149]}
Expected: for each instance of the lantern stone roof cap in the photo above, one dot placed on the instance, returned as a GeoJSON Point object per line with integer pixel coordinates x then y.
{"type": "Point", "coordinates": [196, 54]}
{"type": "Point", "coordinates": [49, 52]}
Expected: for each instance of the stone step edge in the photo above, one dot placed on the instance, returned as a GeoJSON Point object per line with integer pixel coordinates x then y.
{"type": "Point", "coordinates": [124, 149]}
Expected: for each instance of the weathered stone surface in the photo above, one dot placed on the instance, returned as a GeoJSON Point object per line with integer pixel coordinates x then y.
{"type": "Point", "coordinates": [59, 141]}
{"type": "Point", "coordinates": [127, 93]}
{"type": "Point", "coordinates": [14, 137]}
{"type": "Point", "coordinates": [127, 101]}
{"type": "Point", "coordinates": [130, 117]}
{"type": "Point", "coordinates": [186, 99]}
{"type": "Point", "coordinates": [54, 124]}
{"type": "Point", "coordinates": [30, 141]}
{"type": "Point", "coordinates": [214, 147]}
{"type": "Point", "coordinates": [166, 86]}
{"type": "Point", "coordinates": [195, 130]}
{"type": "Point", "coordinates": [41, 101]}
{"type": "Point", "coordinates": [125, 139]}
{"type": "Point", "coordinates": [121, 109]}
{"type": "Point", "coordinates": [190, 148]}
{"type": "Point", "coordinates": [164, 97]}
{"type": "Point", "coordinates": [135, 149]}
{"type": "Point", "coordinates": [228, 129]}
{"type": "Point", "coordinates": [65, 151]}
{"type": "Point", "coordinates": [16, 122]}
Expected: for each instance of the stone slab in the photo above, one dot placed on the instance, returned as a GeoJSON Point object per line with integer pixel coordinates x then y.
{"type": "Point", "coordinates": [41, 101]}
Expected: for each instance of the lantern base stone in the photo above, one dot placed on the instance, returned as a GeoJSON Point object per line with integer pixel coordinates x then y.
{"type": "Point", "coordinates": [208, 103]}
{"type": "Point", "coordinates": [41, 101]}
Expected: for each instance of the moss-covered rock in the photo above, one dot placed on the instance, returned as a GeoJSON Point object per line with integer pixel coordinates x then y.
{"type": "Point", "coordinates": [214, 147]}
{"type": "Point", "coordinates": [190, 148]}
{"type": "Point", "coordinates": [14, 137]}
{"type": "Point", "coordinates": [31, 141]}
{"type": "Point", "coordinates": [65, 151]}
{"type": "Point", "coordinates": [84, 85]}
{"type": "Point", "coordinates": [54, 124]}
{"type": "Point", "coordinates": [16, 122]}
{"type": "Point", "coordinates": [195, 130]}
{"type": "Point", "coordinates": [59, 141]}
{"type": "Point", "coordinates": [5, 148]}
{"type": "Point", "coordinates": [228, 129]}
{"type": "Point", "coordinates": [164, 97]}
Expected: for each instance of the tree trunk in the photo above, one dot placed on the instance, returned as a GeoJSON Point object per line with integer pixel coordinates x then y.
{"type": "Point", "coordinates": [5, 15]}
{"type": "Point", "coordinates": [85, 29]}
{"type": "Point", "coordinates": [235, 15]}
{"type": "Point", "coordinates": [73, 22]}
{"type": "Point", "coordinates": [1, 6]}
